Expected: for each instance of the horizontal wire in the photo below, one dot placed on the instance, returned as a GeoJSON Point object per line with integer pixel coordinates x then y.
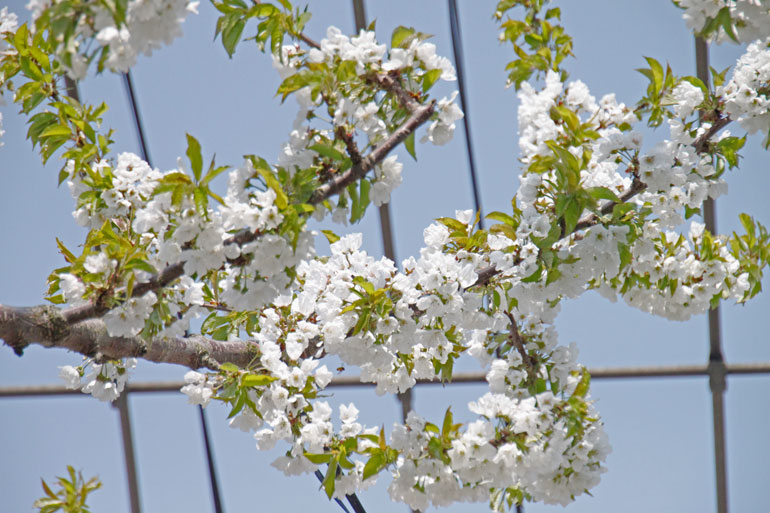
{"type": "Point", "coordinates": [671, 371]}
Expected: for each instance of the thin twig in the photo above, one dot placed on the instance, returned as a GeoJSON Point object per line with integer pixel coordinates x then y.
{"type": "Point", "coordinates": [518, 342]}
{"type": "Point", "coordinates": [310, 42]}
{"type": "Point", "coordinates": [350, 145]}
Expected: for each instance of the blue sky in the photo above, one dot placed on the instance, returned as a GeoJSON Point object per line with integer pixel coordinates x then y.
{"type": "Point", "coordinates": [660, 429]}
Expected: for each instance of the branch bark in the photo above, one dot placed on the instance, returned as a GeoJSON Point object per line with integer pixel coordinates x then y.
{"type": "Point", "coordinates": [418, 117]}
{"type": "Point", "coordinates": [47, 326]}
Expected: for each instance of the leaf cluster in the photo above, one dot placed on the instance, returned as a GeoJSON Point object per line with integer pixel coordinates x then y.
{"type": "Point", "coordinates": [69, 494]}
{"type": "Point", "coordinates": [540, 43]}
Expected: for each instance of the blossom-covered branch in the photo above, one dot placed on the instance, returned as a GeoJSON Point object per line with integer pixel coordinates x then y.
{"type": "Point", "coordinates": [595, 210]}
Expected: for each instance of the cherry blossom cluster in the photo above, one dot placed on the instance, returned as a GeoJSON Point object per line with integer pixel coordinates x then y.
{"type": "Point", "coordinates": [384, 312]}
{"type": "Point", "coordinates": [105, 381]}
{"type": "Point", "coordinates": [520, 445]}
{"type": "Point", "coordinates": [361, 110]}
{"type": "Point", "coordinates": [171, 232]}
{"type": "Point", "coordinates": [747, 94]}
{"type": "Point", "coordinates": [146, 25]}
{"type": "Point", "coordinates": [665, 274]}
{"type": "Point", "coordinates": [399, 327]}
{"type": "Point", "coordinates": [748, 19]}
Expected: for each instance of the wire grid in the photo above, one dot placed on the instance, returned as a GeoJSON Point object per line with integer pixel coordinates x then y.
{"type": "Point", "coordinates": [716, 369]}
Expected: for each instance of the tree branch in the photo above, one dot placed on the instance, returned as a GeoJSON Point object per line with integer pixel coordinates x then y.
{"type": "Point", "coordinates": [591, 219]}
{"type": "Point", "coordinates": [518, 342]}
{"type": "Point", "coordinates": [310, 42]}
{"type": "Point", "coordinates": [418, 117]}
{"type": "Point", "coordinates": [420, 114]}
{"type": "Point", "coordinates": [47, 326]}
{"type": "Point", "coordinates": [389, 82]}
{"type": "Point", "coordinates": [637, 186]}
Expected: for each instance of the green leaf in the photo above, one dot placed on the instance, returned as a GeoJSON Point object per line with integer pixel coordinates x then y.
{"type": "Point", "coordinates": [293, 83]}
{"type": "Point", "coordinates": [656, 74]}
{"type": "Point", "coordinates": [430, 78]}
{"type": "Point", "coordinates": [572, 213]}
{"type": "Point", "coordinates": [201, 200]}
{"type": "Point", "coordinates": [453, 224]}
{"type": "Point", "coordinates": [213, 172]}
{"type": "Point", "coordinates": [281, 200]}
{"type": "Point", "coordinates": [582, 387]}
{"type": "Point", "coordinates": [602, 193]}
{"type": "Point", "coordinates": [231, 35]}
{"type": "Point", "coordinates": [327, 151]}
{"type": "Point", "coordinates": [570, 167]}
{"type": "Point", "coordinates": [238, 405]}
{"type": "Point", "coordinates": [723, 20]}
{"type": "Point", "coordinates": [502, 217]}
{"type": "Point", "coordinates": [328, 482]}
{"type": "Point", "coordinates": [401, 35]}
{"type": "Point", "coordinates": [447, 426]}
{"type": "Point", "coordinates": [366, 285]}
{"type": "Point", "coordinates": [621, 209]}
{"type": "Point", "coordinates": [227, 366]}
{"type": "Point", "coordinates": [409, 145]}
{"type": "Point", "coordinates": [748, 224]}
{"type": "Point", "coordinates": [48, 490]}
{"type": "Point", "coordinates": [56, 130]}
{"type": "Point", "coordinates": [194, 154]}
{"type": "Point", "coordinates": [729, 147]}
{"type": "Point", "coordinates": [718, 77]}
{"type": "Point", "coordinates": [68, 256]}
{"type": "Point", "coordinates": [257, 380]}
{"type": "Point", "coordinates": [552, 13]}
{"type": "Point", "coordinates": [435, 448]}
{"type": "Point", "coordinates": [374, 465]}
{"type": "Point", "coordinates": [138, 263]}
{"type": "Point", "coordinates": [359, 207]}
{"type": "Point", "coordinates": [319, 459]}
{"type": "Point", "coordinates": [331, 236]}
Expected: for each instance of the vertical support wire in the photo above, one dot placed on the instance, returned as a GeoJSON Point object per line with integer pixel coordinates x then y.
{"type": "Point", "coordinates": [137, 119]}
{"type": "Point", "coordinates": [210, 461]}
{"type": "Point", "coordinates": [121, 403]}
{"type": "Point", "coordinates": [388, 247]}
{"type": "Point", "coordinates": [716, 364]}
{"type": "Point", "coordinates": [134, 105]}
{"type": "Point", "coordinates": [457, 48]}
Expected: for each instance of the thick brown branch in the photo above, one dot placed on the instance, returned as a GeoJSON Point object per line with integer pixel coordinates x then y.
{"type": "Point", "coordinates": [46, 326]}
